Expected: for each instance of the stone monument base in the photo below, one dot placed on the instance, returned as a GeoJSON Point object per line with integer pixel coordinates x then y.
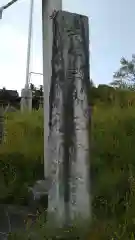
{"type": "Point", "coordinates": [26, 100]}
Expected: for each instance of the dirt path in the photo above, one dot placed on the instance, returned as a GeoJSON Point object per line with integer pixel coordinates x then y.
{"type": "Point", "coordinates": [13, 218]}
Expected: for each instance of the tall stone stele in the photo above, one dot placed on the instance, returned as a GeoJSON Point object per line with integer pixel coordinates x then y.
{"type": "Point", "coordinates": [69, 155]}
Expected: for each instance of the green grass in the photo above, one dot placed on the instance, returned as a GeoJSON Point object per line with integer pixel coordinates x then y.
{"type": "Point", "coordinates": [21, 155]}
{"type": "Point", "coordinates": [112, 167]}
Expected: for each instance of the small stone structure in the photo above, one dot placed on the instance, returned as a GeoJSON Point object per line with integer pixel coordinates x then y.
{"type": "Point", "coordinates": [26, 100]}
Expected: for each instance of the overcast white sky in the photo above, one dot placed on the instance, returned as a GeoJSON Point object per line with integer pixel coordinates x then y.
{"type": "Point", "coordinates": [112, 35]}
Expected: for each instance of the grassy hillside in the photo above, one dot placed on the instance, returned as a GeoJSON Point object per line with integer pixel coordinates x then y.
{"type": "Point", "coordinates": [112, 166]}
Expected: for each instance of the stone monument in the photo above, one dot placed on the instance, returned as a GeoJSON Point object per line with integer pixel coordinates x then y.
{"type": "Point", "coordinates": [68, 155]}
{"type": "Point", "coordinates": [66, 115]}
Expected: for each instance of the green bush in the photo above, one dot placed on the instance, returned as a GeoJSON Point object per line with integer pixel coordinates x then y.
{"type": "Point", "coordinates": [21, 155]}
{"type": "Point", "coordinates": [113, 167]}
{"type": "Point", "coordinates": [111, 96]}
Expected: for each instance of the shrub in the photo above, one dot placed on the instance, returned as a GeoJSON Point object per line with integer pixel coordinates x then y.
{"type": "Point", "coordinates": [21, 155]}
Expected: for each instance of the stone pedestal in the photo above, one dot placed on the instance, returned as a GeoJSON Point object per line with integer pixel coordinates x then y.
{"type": "Point", "coordinates": [69, 156]}
{"type": "Point", "coordinates": [26, 100]}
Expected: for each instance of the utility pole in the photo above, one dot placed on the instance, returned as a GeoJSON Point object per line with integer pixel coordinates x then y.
{"type": "Point", "coordinates": [1, 11]}
{"type": "Point", "coordinates": [26, 100]}
{"type": "Point", "coordinates": [48, 6]}
{"type": "Point", "coordinates": [6, 6]}
{"type": "Point", "coordinates": [29, 44]}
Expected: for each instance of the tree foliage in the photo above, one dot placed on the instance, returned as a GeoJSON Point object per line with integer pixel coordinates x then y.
{"type": "Point", "coordinates": [36, 92]}
{"type": "Point", "coordinates": [124, 78]}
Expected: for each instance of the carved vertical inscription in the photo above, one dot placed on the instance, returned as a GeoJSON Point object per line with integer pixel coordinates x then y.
{"type": "Point", "coordinates": [68, 140]}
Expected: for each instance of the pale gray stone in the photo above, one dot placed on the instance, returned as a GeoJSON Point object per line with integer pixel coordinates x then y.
{"type": "Point", "coordinates": [69, 155]}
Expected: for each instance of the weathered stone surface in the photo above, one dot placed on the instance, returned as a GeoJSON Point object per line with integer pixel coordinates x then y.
{"type": "Point", "coordinates": [39, 196]}
{"type": "Point", "coordinates": [69, 194]}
